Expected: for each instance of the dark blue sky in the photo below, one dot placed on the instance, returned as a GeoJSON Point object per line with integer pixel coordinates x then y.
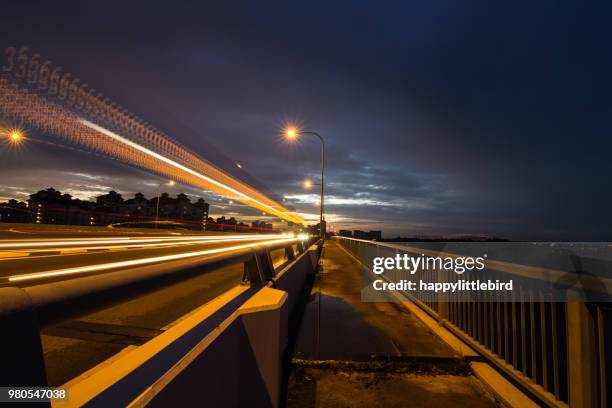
{"type": "Point", "coordinates": [448, 118]}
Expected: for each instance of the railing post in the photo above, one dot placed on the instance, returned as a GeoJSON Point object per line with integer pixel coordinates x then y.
{"type": "Point", "coordinates": [21, 357]}
{"type": "Point", "coordinates": [289, 254]}
{"type": "Point", "coordinates": [259, 269]}
{"type": "Point", "coordinates": [581, 355]}
{"type": "Point", "coordinates": [443, 298]}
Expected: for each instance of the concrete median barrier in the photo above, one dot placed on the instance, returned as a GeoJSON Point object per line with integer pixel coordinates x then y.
{"type": "Point", "coordinates": [228, 352]}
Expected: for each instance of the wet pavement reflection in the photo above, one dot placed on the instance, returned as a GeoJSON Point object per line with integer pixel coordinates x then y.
{"type": "Point", "coordinates": [334, 330]}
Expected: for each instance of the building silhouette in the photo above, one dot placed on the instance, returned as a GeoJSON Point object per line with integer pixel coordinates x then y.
{"type": "Point", "coordinates": [345, 233]}
{"type": "Point", "coordinates": [371, 236]}
{"type": "Point", "coordinates": [14, 211]}
{"type": "Point", "coordinates": [261, 225]}
{"type": "Point", "coordinates": [50, 206]}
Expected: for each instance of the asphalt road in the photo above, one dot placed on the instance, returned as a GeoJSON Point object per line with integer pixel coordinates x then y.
{"type": "Point", "coordinates": [10, 231]}
{"type": "Point", "coordinates": [51, 255]}
{"type": "Point", "coordinates": [72, 347]}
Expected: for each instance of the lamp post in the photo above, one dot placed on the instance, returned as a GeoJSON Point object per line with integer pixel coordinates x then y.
{"type": "Point", "coordinates": [292, 134]}
{"type": "Point", "coordinates": [170, 183]}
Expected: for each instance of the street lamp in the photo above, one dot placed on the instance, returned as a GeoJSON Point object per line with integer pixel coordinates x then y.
{"type": "Point", "coordinates": [170, 184]}
{"type": "Point", "coordinates": [15, 135]}
{"type": "Point", "coordinates": [292, 133]}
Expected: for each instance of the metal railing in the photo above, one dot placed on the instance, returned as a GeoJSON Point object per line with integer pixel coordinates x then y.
{"type": "Point", "coordinates": [553, 351]}
{"type": "Point", "coordinates": [25, 311]}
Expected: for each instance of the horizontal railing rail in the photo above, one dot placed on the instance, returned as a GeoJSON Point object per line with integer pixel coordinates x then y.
{"type": "Point", "coordinates": [554, 351]}
{"type": "Point", "coordinates": [24, 311]}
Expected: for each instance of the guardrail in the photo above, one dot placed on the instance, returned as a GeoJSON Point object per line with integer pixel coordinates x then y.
{"type": "Point", "coordinates": [24, 311]}
{"type": "Point", "coordinates": [553, 351]}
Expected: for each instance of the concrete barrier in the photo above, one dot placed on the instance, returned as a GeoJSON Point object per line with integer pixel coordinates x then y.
{"type": "Point", "coordinates": [227, 353]}
{"type": "Point", "coordinates": [291, 279]}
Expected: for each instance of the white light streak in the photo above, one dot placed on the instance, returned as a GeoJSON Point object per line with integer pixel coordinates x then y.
{"type": "Point", "coordinates": [138, 262]}
{"type": "Point", "coordinates": [24, 244]}
{"type": "Point", "coordinates": [136, 244]}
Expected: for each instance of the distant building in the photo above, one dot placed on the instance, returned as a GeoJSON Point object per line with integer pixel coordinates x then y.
{"type": "Point", "coordinates": [226, 224]}
{"type": "Point", "coordinates": [358, 234]}
{"type": "Point", "coordinates": [52, 207]}
{"type": "Point", "coordinates": [14, 211]}
{"type": "Point", "coordinates": [108, 206]}
{"type": "Point", "coordinates": [166, 208]}
{"type": "Point", "coordinates": [139, 205]}
{"type": "Point", "coordinates": [261, 225]}
{"type": "Point", "coordinates": [200, 211]}
{"type": "Point", "coordinates": [375, 235]}
{"type": "Point", "coordinates": [345, 233]}
{"type": "Point", "coordinates": [370, 236]}
{"type": "Point", "coordinates": [111, 202]}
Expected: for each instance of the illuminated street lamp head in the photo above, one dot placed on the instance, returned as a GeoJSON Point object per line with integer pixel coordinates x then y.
{"type": "Point", "coordinates": [307, 184]}
{"type": "Point", "coordinates": [15, 136]}
{"type": "Point", "coordinates": [291, 133]}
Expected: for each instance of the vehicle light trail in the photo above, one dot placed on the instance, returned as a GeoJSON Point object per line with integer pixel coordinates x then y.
{"type": "Point", "coordinates": [140, 261]}
{"type": "Point", "coordinates": [24, 244]}
{"type": "Point", "coordinates": [244, 197]}
{"type": "Point", "coordinates": [135, 245]}
{"type": "Point", "coordinates": [60, 105]}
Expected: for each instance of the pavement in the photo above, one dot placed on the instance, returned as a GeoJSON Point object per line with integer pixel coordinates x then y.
{"type": "Point", "coordinates": [350, 353]}
{"type": "Point", "coordinates": [343, 389]}
{"type": "Point", "coordinates": [338, 325]}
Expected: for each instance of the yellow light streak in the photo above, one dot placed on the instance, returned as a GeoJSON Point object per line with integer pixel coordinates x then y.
{"type": "Point", "coordinates": [71, 123]}
{"type": "Point", "coordinates": [248, 199]}
{"type": "Point", "coordinates": [138, 262]}
{"type": "Point", "coordinates": [137, 245]}
{"type": "Point", "coordinates": [85, 241]}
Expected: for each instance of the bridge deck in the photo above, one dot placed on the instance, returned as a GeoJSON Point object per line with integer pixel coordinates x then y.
{"type": "Point", "coordinates": [349, 352]}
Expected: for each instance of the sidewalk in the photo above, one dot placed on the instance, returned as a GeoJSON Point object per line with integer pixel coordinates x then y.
{"type": "Point", "coordinates": [355, 354]}
{"type": "Point", "coordinates": [348, 329]}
